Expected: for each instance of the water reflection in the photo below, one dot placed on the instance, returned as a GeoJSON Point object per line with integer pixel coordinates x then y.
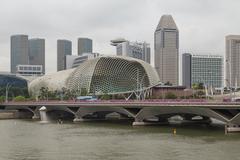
{"type": "Point", "coordinates": [29, 140]}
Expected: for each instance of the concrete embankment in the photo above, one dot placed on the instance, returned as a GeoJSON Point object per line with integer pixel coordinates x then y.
{"type": "Point", "coordinates": [14, 114]}
{"type": "Point", "coordinates": [6, 114]}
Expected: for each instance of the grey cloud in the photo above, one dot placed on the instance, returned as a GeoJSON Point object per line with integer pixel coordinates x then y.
{"type": "Point", "coordinates": [203, 24]}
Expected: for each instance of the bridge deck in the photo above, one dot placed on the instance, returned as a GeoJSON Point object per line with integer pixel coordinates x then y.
{"type": "Point", "coordinates": [204, 104]}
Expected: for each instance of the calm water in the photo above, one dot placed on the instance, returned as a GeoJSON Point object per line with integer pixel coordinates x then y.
{"type": "Point", "coordinates": [29, 140]}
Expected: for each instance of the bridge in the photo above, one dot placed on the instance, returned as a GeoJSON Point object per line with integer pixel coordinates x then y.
{"type": "Point", "coordinates": [142, 112]}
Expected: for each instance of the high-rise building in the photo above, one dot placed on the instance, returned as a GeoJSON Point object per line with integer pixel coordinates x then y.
{"type": "Point", "coordinates": [133, 49]}
{"type": "Point", "coordinates": [166, 48]}
{"type": "Point", "coordinates": [187, 70]}
{"type": "Point", "coordinates": [19, 51]}
{"type": "Point", "coordinates": [84, 45]}
{"type": "Point", "coordinates": [37, 52]}
{"type": "Point", "coordinates": [232, 61]}
{"type": "Point", "coordinates": [206, 69]}
{"type": "Point", "coordinates": [64, 48]}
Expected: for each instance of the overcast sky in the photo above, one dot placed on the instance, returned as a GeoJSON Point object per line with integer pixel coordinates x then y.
{"type": "Point", "coordinates": [202, 24]}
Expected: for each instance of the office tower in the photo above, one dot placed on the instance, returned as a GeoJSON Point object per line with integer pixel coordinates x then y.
{"type": "Point", "coordinates": [37, 52]}
{"type": "Point", "coordinates": [186, 70]}
{"type": "Point", "coordinates": [166, 45]}
{"type": "Point", "coordinates": [206, 69]}
{"type": "Point", "coordinates": [19, 51]}
{"type": "Point", "coordinates": [84, 45]}
{"type": "Point", "coordinates": [232, 61]}
{"type": "Point", "coordinates": [64, 48]}
{"type": "Point", "coordinates": [133, 49]}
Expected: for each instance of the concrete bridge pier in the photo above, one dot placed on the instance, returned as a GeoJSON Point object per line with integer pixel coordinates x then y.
{"type": "Point", "coordinates": [78, 119]}
{"type": "Point", "coordinates": [196, 120]}
{"type": "Point", "coordinates": [231, 128]}
{"type": "Point", "coordinates": [43, 114]}
{"type": "Point", "coordinates": [146, 116]}
{"type": "Point", "coordinates": [36, 116]}
{"type": "Point", "coordinates": [233, 125]}
{"type": "Point", "coordinates": [35, 111]}
{"type": "Point", "coordinates": [80, 113]}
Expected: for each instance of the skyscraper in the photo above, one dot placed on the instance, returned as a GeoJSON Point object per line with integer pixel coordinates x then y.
{"type": "Point", "coordinates": [187, 70]}
{"type": "Point", "coordinates": [19, 51]}
{"type": "Point", "coordinates": [84, 45]}
{"type": "Point", "coordinates": [64, 48]}
{"type": "Point", "coordinates": [166, 45]}
{"type": "Point", "coordinates": [232, 61]}
{"type": "Point", "coordinates": [37, 52]}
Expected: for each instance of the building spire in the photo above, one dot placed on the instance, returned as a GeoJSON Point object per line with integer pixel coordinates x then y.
{"type": "Point", "coordinates": [166, 21]}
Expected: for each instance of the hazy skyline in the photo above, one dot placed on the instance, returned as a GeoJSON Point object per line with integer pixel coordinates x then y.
{"type": "Point", "coordinates": [202, 25]}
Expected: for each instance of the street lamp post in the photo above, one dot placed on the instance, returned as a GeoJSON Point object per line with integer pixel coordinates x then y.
{"type": "Point", "coordinates": [230, 88]}
{"type": "Point", "coordinates": [7, 90]}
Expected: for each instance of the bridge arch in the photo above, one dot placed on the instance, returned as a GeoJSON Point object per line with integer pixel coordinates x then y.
{"type": "Point", "coordinates": [146, 113]}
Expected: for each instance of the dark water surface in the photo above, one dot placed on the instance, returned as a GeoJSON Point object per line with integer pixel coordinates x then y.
{"type": "Point", "coordinates": [30, 140]}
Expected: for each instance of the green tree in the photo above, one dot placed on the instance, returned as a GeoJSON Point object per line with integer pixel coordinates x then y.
{"type": "Point", "coordinates": [84, 92]}
{"type": "Point", "coordinates": [2, 99]}
{"type": "Point", "coordinates": [105, 97]}
{"type": "Point", "coordinates": [197, 86]}
{"type": "Point", "coordinates": [19, 99]}
{"type": "Point", "coordinates": [200, 86]}
{"type": "Point", "coordinates": [168, 83]}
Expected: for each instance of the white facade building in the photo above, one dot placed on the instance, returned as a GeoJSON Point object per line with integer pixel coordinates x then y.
{"type": "Point", "coordinates": [207, 69]}
{"type": "Point", "coordinates": [133, 49]}
{"type": "Point", "coordinates": [69, 60]}
{"type": "Point", "coordinates": [73, 61]}
{"type": "Point", "coordinates": [29, 70]}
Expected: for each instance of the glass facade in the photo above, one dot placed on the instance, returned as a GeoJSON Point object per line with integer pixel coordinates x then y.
{"type": "Point", "coordinates": [186, 70]}
{"type": "Point", "coordinates": [64, 48]}
{"type": "Point", "coordinates": [207, 69]}
{"type": "Point", "coordinates": [18, 86]}
{"type": "Point", "coordinates": [37, 52]}
{"type": "Point", "coordinates": [84, 45]}
{"type": "Point", "coordinates": [19, 51]}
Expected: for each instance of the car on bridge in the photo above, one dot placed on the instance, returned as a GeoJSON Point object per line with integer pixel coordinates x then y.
{"type": "Point", "coordinates": [87, 98]}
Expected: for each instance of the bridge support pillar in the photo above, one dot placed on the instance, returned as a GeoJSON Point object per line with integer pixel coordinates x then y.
{"type": "Point", "coordinates": [36, 116]}
{"type": "Point", "coordinates": [230, 128]}
{"type": "Point", "coordinates": [138, 122]}
{"type": "Point", "coordinates": [149, 123]}
{"type": "Point", "coordinates": [43, 114]}
{"type": "Point", "coordinates": [76, 120]}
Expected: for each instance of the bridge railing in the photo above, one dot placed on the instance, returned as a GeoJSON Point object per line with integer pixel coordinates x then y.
{"type": "Point", "coordinates": [140, 102]}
